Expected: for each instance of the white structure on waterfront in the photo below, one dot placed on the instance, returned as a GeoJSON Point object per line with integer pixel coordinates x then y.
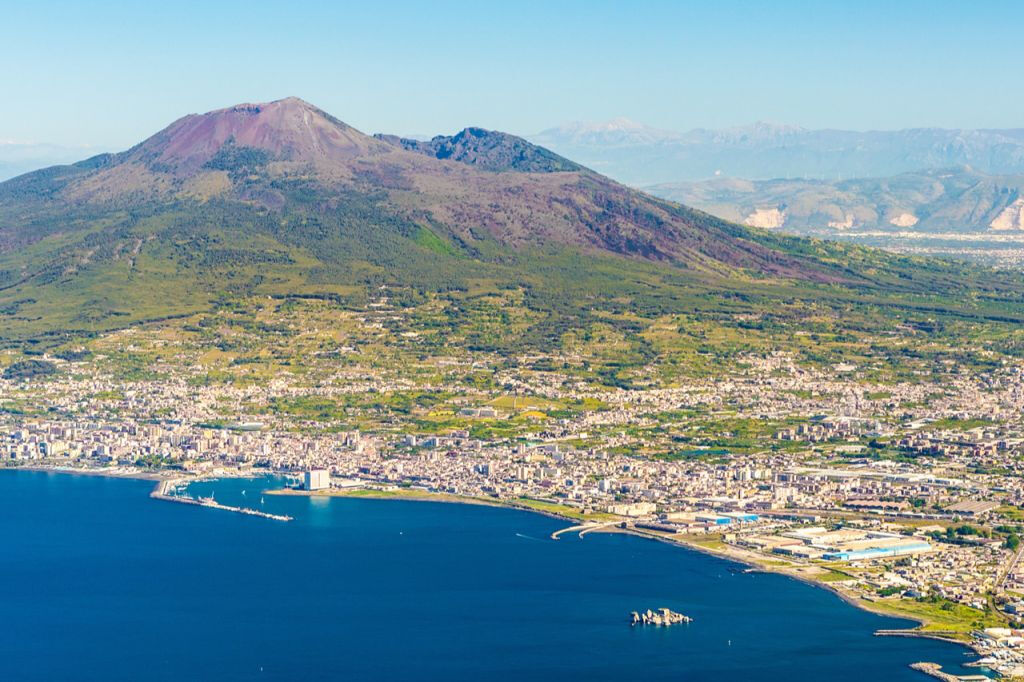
{"type": "Point", "coordinates": [316, 479]}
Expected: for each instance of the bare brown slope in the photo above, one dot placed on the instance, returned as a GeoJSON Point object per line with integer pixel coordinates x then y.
{"type": "Point", "coordinates": [288, 129]}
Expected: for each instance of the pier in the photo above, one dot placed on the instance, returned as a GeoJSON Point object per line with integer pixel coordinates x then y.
{"type": "Point", "coordinates": [162, 492]}
{"type": "Point", "coordinates": [584, 528]}
{"type": "Point", "coordinates": [941, 635]}
{"type": "Point", "coordinates": [935, 670]}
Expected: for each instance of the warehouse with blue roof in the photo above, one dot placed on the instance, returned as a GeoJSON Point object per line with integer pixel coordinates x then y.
{"type": "Point", "coordinates": [913, 547]}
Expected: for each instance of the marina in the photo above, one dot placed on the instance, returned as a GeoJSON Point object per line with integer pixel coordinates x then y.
{"type": "Point", "coordinates": [169, 491]}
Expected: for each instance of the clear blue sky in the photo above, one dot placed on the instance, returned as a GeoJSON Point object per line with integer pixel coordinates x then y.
{"type": "Point", "coordinates": [108, 73]}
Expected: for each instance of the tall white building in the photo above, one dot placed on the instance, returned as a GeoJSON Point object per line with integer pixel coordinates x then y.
{"type": "Point", "coordinates": [316, 479]}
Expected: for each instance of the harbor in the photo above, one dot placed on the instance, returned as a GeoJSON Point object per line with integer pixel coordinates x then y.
{"type": "Point", "coordinates": [167, 490]}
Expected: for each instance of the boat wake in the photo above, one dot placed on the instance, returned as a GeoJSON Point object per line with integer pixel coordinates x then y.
{"type": "Point", "coordinates": [528, 537]}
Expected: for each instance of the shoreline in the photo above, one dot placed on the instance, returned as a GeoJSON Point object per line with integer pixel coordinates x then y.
{"type": "Point", "coordinates": [730, 554]}
{"type": "Point", "coordinates": [736, 556]}
{"type": "Point", "coordinates": [418, 496]}
{"type": "Point", "coordinates": [103, 473]}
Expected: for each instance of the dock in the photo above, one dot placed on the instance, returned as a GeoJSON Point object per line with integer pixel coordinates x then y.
{"type": "Point", "coordinates": [935, 670]}
{"type": "Point", "coordinates": [584, 528]}
{"type": "Point", "coordinates": [162, 492]}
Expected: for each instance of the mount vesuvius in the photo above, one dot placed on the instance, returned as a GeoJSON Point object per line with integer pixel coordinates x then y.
{"type": "Point", "coordinates": [283, 199]}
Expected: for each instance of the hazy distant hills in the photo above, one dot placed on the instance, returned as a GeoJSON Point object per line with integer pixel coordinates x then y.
{"type": "Point", "coordinates": [640, 155]}
{"type": "Point", "coordinates": [955, 199]}
{"type": "Point", "coordinates": [17, 158]}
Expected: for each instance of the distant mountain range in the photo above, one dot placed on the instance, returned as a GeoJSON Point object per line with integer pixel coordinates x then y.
{"type": "Point", "coordinates": [946, 200]}
{"type": "Point", "coordinates": [640, 155]}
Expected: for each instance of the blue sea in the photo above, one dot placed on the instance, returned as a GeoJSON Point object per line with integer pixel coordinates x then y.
{"type": "Point", "coordinates": [100, 582]}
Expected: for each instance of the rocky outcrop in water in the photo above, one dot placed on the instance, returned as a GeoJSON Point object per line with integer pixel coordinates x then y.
{"type": "Point", "coordinates": [661, 617]}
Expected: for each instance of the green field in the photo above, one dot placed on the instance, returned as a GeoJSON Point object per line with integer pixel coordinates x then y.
{"type": "Point", "coordinates": [944, 617]}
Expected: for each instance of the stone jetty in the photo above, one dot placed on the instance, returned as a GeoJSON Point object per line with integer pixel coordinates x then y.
{"type": "Point", "coordinates": [935, 670]}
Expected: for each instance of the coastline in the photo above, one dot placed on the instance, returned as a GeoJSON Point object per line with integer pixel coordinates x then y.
{"type": "Point", "coordinates": [730, 554]}
{"type": "Point", "coordinates": [737, 556]}
{"type": "Point", "coordinates": [104, 473]}
{"type": "Point", "coordinates": [344, 527]}
{"type": "Point", "coordinates": [419, 496]}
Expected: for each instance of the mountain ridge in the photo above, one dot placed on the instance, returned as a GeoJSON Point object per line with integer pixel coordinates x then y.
{"type": "Point", "coordinates": [283, 199]}
{"type": "Point", "coordinates": [259, 153]}
{"type": "Point", "coordinates": [488, 150]}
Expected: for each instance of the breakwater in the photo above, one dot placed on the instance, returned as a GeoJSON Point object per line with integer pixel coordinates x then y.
{"type": "Point", "coordinates": [941, 635]}
{"type": "Point", "coordinates": [163, 491]}
{"type": "Point", "coordinates": [935, 670]}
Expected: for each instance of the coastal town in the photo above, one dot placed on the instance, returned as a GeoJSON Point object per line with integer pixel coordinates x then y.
{"type": "Point", "coordinates": [582, 341]}
{"type": "Point", "coordinates": [904, 497]}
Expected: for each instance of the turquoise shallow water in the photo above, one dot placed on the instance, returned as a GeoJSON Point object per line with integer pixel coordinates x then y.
{"type": "Point", "coordinates": [101, 582]}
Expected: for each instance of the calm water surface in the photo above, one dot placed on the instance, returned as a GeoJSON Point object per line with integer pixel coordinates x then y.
{"type": "Point", "coordinates": [101, 582]}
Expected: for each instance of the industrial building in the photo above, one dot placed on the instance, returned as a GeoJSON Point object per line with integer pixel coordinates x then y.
{"type": "Point", "coordinates": [900, 549]}
{"type": "Point", "coordinates": [972, 508]}
{"type": "Point", "coordinates": [843, 544]}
